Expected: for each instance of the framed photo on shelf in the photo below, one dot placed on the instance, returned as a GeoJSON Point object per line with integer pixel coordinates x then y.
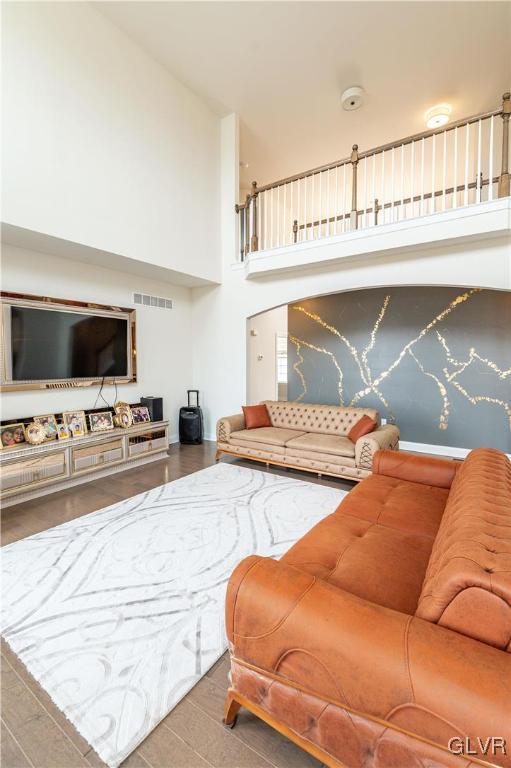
{"type": "Point", "coordinates": [75, 422]}
{"type": "Point", "coordinates": [100, 422]}
{"type": "Point", "coordinates": [123, 415]}
{"type": "Point", "coordinates": [12, 435]}
{"type": "Point", "coordinates": [63, 432]}
{"type": "Point", "coordinates": [49, 423]}
{"type": "Point", "coordinates": [140, 414]}
{"type": "Point", "coordinates": [35, 433]}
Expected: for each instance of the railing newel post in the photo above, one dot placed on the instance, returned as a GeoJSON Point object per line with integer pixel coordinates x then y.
{"type": "Point", "coordinates": [504, 185]}
{"type": "Point", "coordinates": [354, 163]}
{"type": "Point", "coordinates": [254, 240]}
{"type": "Point", "coordinates": [246, 211]}
{"type": "Point", "coordinates": [295, 231]}
{"type": "Point", "coordinates": [375, 211]}
{"type": "Point", "coordinates": [241, 233]}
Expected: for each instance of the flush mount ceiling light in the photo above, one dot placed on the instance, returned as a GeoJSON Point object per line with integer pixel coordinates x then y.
{"type": "Point", "coordinates": [438, 115]}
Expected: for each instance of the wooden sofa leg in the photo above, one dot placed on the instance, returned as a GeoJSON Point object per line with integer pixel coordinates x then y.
{"type": "Point", "coordinates": [217, 455]}
{"type": "Point", "coordinates": [231, 709]}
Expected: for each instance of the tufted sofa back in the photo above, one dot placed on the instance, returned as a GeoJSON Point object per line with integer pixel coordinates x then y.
{"type": "Point", "coordinates": [467, 586]}
{"type": "Point", "coordinates": [325, 419]}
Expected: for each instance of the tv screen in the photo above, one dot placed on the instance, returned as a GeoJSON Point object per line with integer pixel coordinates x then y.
{"type": "Point", "coordinates": [54, 344]}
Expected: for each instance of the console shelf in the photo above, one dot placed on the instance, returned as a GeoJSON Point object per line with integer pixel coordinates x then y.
{"type": "Point", "coordinates": [33, 470]}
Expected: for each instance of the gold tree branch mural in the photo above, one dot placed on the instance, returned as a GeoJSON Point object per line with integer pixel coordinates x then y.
{"type": "Point", "coordinates": [299, 343]}
{"type": "Point", "coordinates": [372, 383]}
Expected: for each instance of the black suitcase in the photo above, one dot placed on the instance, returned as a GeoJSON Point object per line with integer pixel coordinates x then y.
{"type": "Point", "coordinates": [190, 421]}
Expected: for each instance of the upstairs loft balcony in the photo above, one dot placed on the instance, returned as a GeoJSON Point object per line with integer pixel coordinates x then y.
{"type": "Point", "coordinates": [428, 186]}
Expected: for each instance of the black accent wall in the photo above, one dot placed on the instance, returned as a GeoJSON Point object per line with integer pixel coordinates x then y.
{"type": "Point", "coordinates": [437, 361]}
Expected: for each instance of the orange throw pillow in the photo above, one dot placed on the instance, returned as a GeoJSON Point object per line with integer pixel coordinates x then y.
{"type": "Point", "coordinates": [256, 416]}
{"type": "Point", "coordinates": [362, 427]}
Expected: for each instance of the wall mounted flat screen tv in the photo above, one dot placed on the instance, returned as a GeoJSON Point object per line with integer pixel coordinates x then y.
{"type": "Point", "coordinates": [50, 344]}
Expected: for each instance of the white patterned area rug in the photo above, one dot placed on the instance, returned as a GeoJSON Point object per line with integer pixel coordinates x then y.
{"type": "Point", "coordinates": [119, 613]}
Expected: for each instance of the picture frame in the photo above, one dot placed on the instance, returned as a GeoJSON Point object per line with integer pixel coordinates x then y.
{"type": "Point", "coordinates": [140, 414]}
{"type": "Point", "coordinates": [35, 433]}
{"type": "Point", "coordinates": [49, 423]}
{"type": "Point", "coordinates": [101, 422]}
{"type": "Point", "coordinates": [12, 435]}
{"type": "Point", "coordinates": [63, 432]}
{"type": "Point", "coordinates": [74, 420]}
{"type": "Point", "coordinates": [76, 430]}
{"type": "Point", "coordinates": [123, 415]}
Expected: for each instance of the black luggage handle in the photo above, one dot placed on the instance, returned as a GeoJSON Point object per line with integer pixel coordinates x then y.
{"type": "Point", "coordinates": [189, 392]}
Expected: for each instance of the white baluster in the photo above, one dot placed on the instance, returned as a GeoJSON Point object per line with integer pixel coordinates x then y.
{"type": "Point", "coordinates": [373, 186]}
{"type": "Point", "coordinates": [259, 223]}
{"type": "Point", "coordinates": [320, 215]}
{"type": "Point", "coordinates": [402, 183]}
{"type": "Point", "coordinates": [284, 228]}
{"type": "Point", "coordinates": [272, 230]}
{"type": "Point", "coordinates": [313, 206]}
{"type": "Point", "coordinates": [421, 204]}
{"type": "Point", "coordinates": [444, 170]}
{"type": "Point", "coordinates": [365, 194]}
{"type": "Point", "coordinates": [467, 149]}
{"type": "Point", "coordinates": [382, 198]}
{"type": "Point", "coordinates": [306, 230]}
{"type": "Point", "coordinates": [478, 180]}
{"type": "Point", "coordinates": [328, 203]}
{"type": "Point", "coordinates": [266, 238]}
{"type": "Point", "coordinates": [433, 174]}
{"type": "Point", "coordinates": [490, 163]}
{"type": "Point", "coordinates": [278, 217]}
{"type": "Point", "coordinates": [344, 220]}
{"type": "Point", "coordinates": [412, 193]}
{"type": "Point", "coordinates": [455, 180]}
{"type": "Point", "coordinates": [336, 197]}
{"type": "Point", "coordinates": [392, 186]}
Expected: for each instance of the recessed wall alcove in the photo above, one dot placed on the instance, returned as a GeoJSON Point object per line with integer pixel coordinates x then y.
{"type": "Point", "coordinates": [436, 360]}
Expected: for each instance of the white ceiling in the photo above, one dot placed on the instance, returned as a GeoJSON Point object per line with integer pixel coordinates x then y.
{"type": "Point", "coordinates": [282, 66]}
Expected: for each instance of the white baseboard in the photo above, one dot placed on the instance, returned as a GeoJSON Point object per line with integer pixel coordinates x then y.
{"type": "Point", "coordinates": [436, 450]}
{"type": "Point", "coordinates": [175, 438]}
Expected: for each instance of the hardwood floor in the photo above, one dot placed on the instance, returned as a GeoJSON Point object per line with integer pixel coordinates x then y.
{"type": "Point", "coordinates": [34, 732]}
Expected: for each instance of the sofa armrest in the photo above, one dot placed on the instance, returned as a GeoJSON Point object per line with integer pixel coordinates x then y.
{"type": "Point", "coordinates": [416, 469]}
{"type": "Point", "coordinates": [411, 673]}
{"type": "Point", "coordinates": [228, 424]}
{"type": "Point", "coordinates": [366, 446]}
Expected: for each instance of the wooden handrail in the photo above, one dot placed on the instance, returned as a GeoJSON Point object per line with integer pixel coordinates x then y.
{"type": "Point", "coordinates": [382, 148]}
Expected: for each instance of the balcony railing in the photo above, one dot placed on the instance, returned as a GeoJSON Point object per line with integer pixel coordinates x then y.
{"type": "Point", "coordinates": [465, 163]}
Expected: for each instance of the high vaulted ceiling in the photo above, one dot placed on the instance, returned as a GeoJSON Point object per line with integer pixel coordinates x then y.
{"type": "Point", "coordinates": [283, 65]}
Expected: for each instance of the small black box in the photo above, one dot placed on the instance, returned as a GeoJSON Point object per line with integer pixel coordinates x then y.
{"type": "Point", "coordinates": [154, 406]}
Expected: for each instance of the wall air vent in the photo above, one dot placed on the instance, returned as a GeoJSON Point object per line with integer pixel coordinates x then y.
{"type": "Point", "coordinates": [152, 301]}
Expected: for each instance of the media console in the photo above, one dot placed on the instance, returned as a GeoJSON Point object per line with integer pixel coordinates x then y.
{"type": "Point", "coordinates": [33, 470]}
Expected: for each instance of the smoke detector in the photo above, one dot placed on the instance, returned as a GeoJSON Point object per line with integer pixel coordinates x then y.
{"type": "Point", "coordinates": [352, 98]}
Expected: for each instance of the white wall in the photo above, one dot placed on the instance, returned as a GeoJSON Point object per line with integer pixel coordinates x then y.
{"type": "Point", "coordinates": [164, 357]}
{"type": "Point", "coordinates": [101, 145]}
{"type": "Point", "coordinates": [262, 354]}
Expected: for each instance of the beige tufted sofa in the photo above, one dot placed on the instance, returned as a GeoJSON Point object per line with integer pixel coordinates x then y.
{"type": "Point", "coordinates": [310, 437]}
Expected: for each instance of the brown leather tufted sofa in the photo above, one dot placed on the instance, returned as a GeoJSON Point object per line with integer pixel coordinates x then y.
{"type": "Point", "coordinates": [310, 437]}
{"type": "Point", "coordinates": [385, 632]}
